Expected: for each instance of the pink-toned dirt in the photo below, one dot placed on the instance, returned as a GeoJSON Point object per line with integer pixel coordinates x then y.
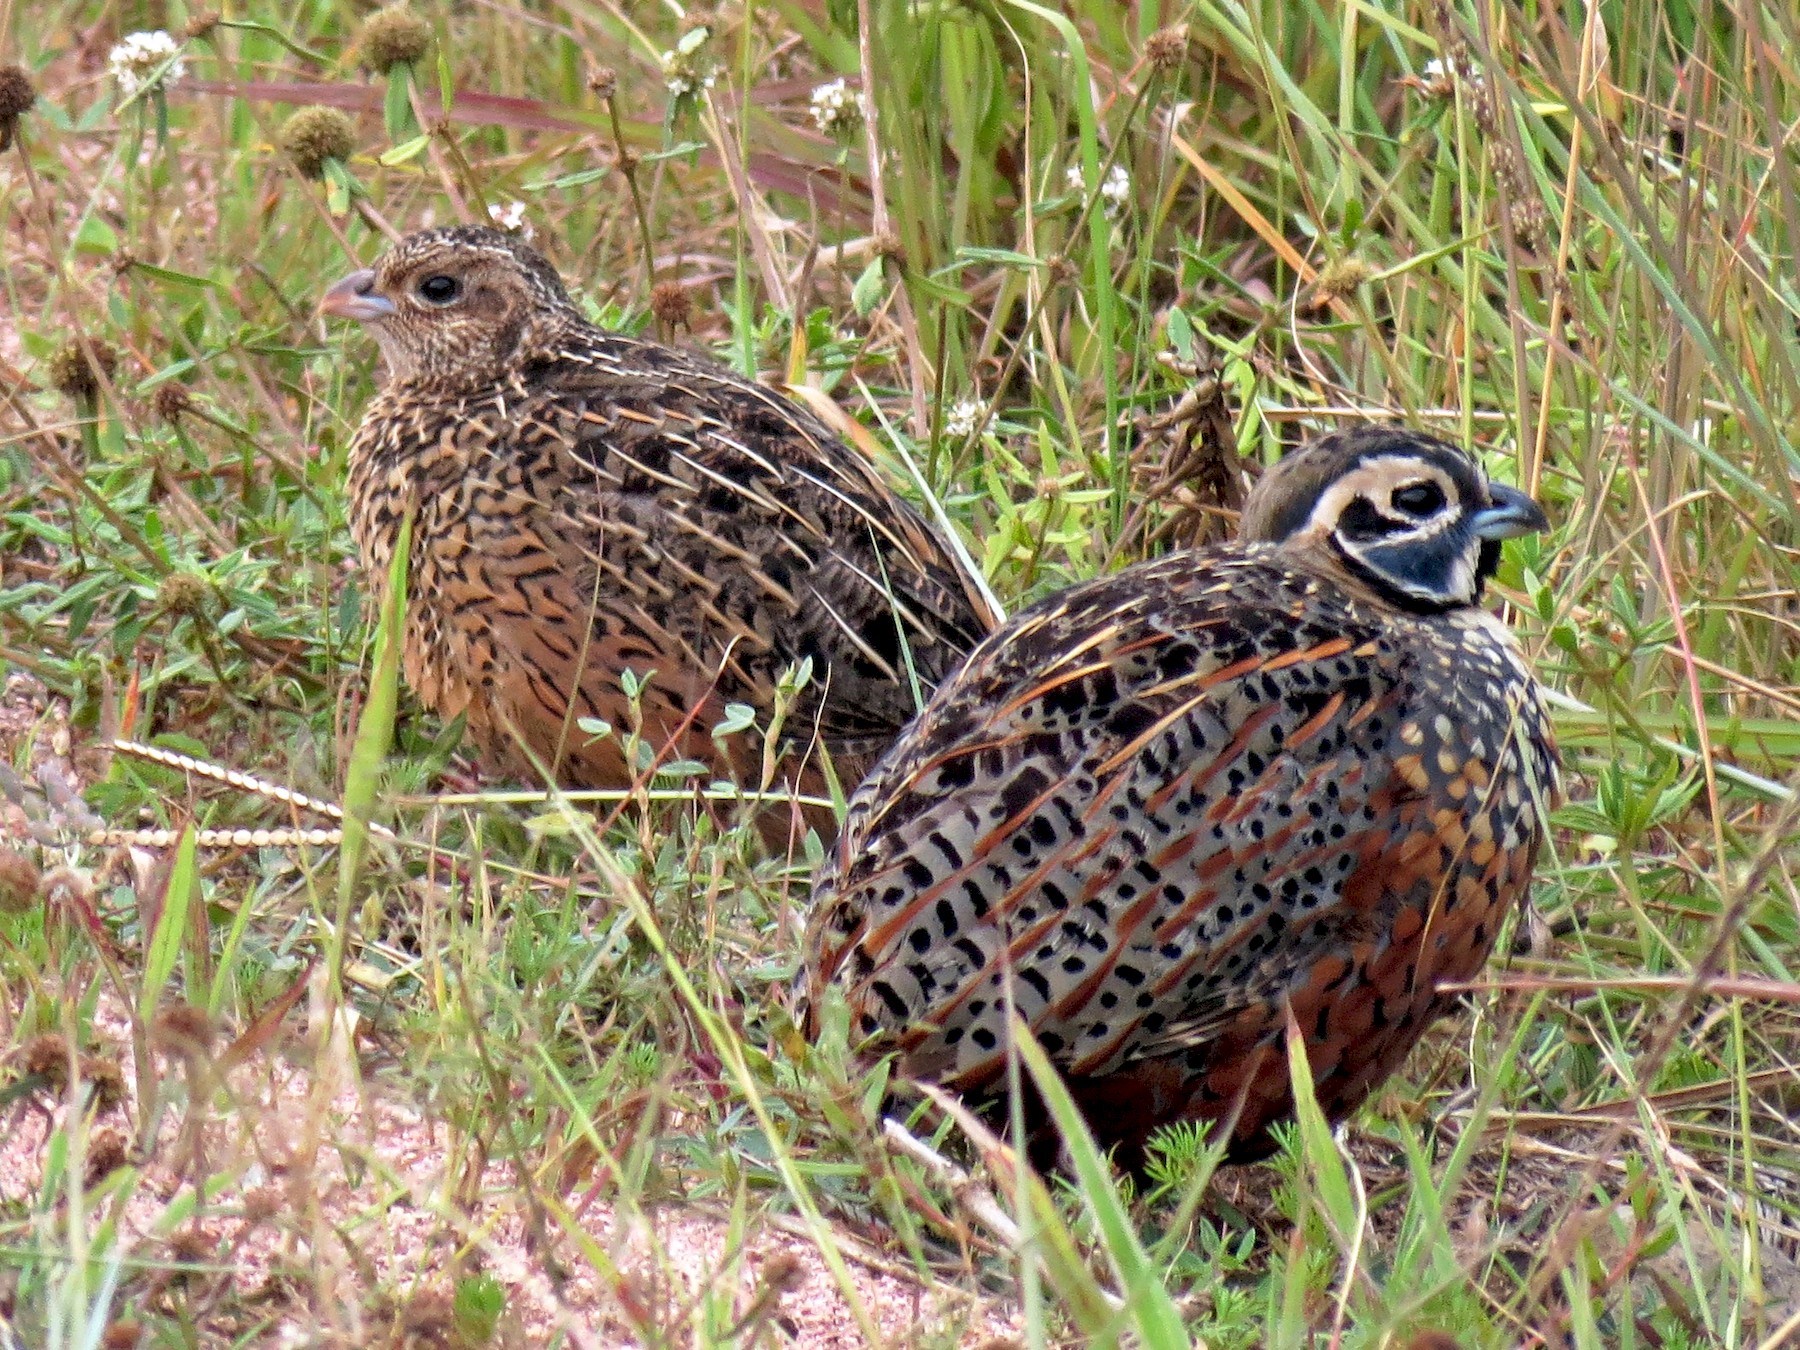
{"type": "Point", "coordinates": [345, 1218]}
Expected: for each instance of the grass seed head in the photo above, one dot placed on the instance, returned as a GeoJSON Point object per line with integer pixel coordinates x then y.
{"type": "Point", "coordinates": [1167, 48]}
{"type": "Point", "coordinates": [172, 401]}
{"type": "Point", "coordinates": [16, 97]}
{"type": "Point", "coordinates": [107, 1080]}
{"type": "Point", "coordinates": [19, 882]}
{"type": "Point", "coordinates": [670, 304]}
{"type": "Point", "coordinates": [394, 36]}
{"type": "Point", "coordinates": [183, 593]}
{"type": "Point", "coordinates": [105, 1155]}
{"type": "Point", "coordinates": [1338, 278]}
{"type": "Point", "coordinates": [314, 135]}
{"type": "Point", "coordinates": [46, 1056]}
{"type": "Point", "coordinates": [76, 373]}
{"type": "Point", "coordinates": [182, 1029]}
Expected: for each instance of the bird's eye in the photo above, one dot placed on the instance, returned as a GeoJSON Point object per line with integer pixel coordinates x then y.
{"type": "Point", "coordinates": [1419, 499]}
{"type": "Point", "coordinates": [439, 289]}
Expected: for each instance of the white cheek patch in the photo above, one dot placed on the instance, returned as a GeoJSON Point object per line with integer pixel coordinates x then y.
{"type": "Point", "coordinates": [1375, 481]}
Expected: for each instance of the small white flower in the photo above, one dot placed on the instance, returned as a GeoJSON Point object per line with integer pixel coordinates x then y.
{"type": "Point", "coordinates": [1074, 179]}
{"type": "Point", "coordinates": [1115, 192]}
{"type": "Point", "coordinates": [960, 421]}
{"type": "Point", "coordinates": [684, 70]}
{"type": "Point", "coordinates": [834, 108]}
{"type": "Point", "coordinates": [511, 217]}
{"type": "Point", "coordinates": [1435, 69]}
{"type": "Point", "coordinates": [136, 60]}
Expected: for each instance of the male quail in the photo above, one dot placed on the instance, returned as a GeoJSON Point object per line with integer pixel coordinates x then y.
{"type": "Point", "coordinates": [587, 504]}
{"type": "Point", "coordinates": [1162, 812]}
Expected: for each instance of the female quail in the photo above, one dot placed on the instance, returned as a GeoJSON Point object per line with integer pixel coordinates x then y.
{"type": "Point", "coordinates": [588, 503]}
{"type": "Point", "coordinates": [1301, 774]}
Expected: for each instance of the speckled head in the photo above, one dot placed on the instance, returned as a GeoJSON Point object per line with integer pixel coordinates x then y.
{"type": "Point", "coordinates": [455, 303]}
{"type": "Point", "coordinates": [1414, 517]}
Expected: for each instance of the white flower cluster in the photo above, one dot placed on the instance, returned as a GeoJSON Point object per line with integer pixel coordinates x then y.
{"type": "Point", "coordinates": [135, 61]}
{"type": "Point", "coordinates": [834, 108]}
{"type": "Point", "coordinates": [511, 217]}
{"type": "Point", "coordinates": [1115, 192]}
{"type": "Point", "coordinates": [959, 422]}
{"type": "Point", "coordinates": [684, 71]}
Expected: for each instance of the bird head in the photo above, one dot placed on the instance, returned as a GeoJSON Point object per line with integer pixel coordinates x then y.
{"type": "Point", "coordinates": [455, 303]}
{"type": "Point", "coordinates": [1413, 517]}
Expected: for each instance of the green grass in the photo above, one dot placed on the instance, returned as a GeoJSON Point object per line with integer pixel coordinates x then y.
{"type": "Point", "coordinates": [1579, 253]}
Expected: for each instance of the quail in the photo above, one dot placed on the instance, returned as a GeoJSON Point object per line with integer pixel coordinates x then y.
{"type": "Point", "coordinates": [600, 520]}
{"type": "Point", "coordinates": [1301, 775]}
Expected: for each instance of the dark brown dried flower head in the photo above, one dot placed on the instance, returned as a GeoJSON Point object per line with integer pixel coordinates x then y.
{"type": "Point", "coordinates": [172, 401]}
{"type": "Point", "coordinates": [46, 1056]}
{"type": "Point", "coordinates": [182, 1029]}
{"type": "Point", "coordinates": [1167, 48]}
{"type": "Point", "coordinates": [184, 593]}
{"type": "Point", "coordinates": [395, 36]}
{"type": "Point", "coordinates": [192, 1246]}
{"type": "Point", "coordinates": [314, 135]}
{"type": "Point", "coordinates": [19, 881]}
{"type": "Point", "coordinates": [263, 1204]}
{"type": "Point", "coordinates": [670, 303]}
{"type": "Point", "coordinates": [107, 1080]}
{"type": "Point", "coordinates": [604, 81]}
{"type": "Point", "coordinates": [77, 368]}
{"type": "Point", "coordinates": [105, 1155]}
{"type": "Point", "coordinates": [780, 1270]}
{"type": "Point", "coordinates": [1338, 278]}
{"type": "Point", "coordinates": [16, 97]}
{"type": "Point", "coordinates": [123, 1334]}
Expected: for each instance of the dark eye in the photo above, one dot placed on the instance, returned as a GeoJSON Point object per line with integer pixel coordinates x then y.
{"type": "Point", "coordinates": [1420, 499]}
{"type": "Point", "coordinates": [439, 289]}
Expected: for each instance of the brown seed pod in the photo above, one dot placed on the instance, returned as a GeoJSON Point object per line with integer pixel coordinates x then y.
{"type": "Point", "coordinates": [46, 1056]}
{"type": "Point", "coordinates": [172, 401]}
{"type": "Point", "coordinates": [16, 97]}
{"type": "Point", "coordinates": [314, 135]}
{"type": "Point", "coordinates": [1167, 48]}
{"type": "Point", "coordinates": [105, 1155]}
{"type": "Point", "coordinates": [77, 369]}
{"type": "Point", "coordinates": [184, 593]}
{"type": "Point", "coordinates": [390, 37]}
{"type": "Point", "coordinates": [670, 303]}
{"type": "Point", "coordinates": [19, 882]}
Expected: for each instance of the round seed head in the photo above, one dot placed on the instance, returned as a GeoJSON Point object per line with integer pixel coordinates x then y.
{"type": "Point", "coordinates": [107, 1080]}
{"type": "Point", "coordinates": [314, 135]}
{"type": "Point", "coordinates": [1340, 277]}
{"type": "Point", "coordinates": [123, 1334]}
{"type": "Point", "coordinates": [78, 368]}
{"type": "Point", "coordinates": [46, 1056]}
{"type": "Point", "coordinates": [172, 401]}
{"type": "Point", "coordinates": [202, 25]}
{"type": "Point", "coordinates": [1167, 48]}
{"type": "Point", "coordinates": [670, 304]}
{"type": "Point", "coordinates": [19, 881]}
{"type": "Point", "coordinates": [16, 98]}
{"type": "Point", "coordinates": [183, 1030]}
{"type": "Point", "coordinates": [184, 593]}
{"type": "Point", "coordinates": [394, 36]}
{"type": "Point", "coordinates": [604, 81]}
{"type": "Point", "coordinates": [106, 1155]}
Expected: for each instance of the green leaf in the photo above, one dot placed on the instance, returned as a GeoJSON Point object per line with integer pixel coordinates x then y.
{"type": "Point", "coordinates": [173, 277]}
{"type": "Point", "coordinates": [96, 236]}
{"type": "Point", "coordinates": [869, 288]}
{"type": "Point", "coordinates": [1147, 1302]}
{"type": "Point", "coordinates": [568, 180]}
{"type": "Point", "coordinates": [1323, 1161]}
{"type": "Point", "coordinates": [396, 106]}
{"type": "Point", "coordinates": [171, 924]}
{"type": "Point", "coordinates": [375, 729]}
{"type": "Point", "coordinates": [403, 152]}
